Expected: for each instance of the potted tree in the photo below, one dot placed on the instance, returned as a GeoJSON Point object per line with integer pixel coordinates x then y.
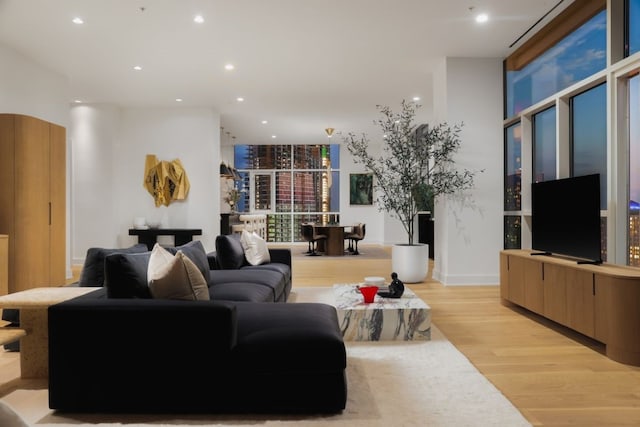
{"type": "Point", "coordinates": [415, 166]}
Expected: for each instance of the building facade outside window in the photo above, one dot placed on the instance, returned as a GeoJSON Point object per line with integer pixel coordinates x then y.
{"type": "Point", "coordinates": [512, 186]}
{"type": "Point", "coordinates": [291, 184]}
{"type": "Point", "coordinates": [544, 145]}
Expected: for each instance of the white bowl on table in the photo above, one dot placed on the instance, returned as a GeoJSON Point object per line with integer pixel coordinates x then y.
{"type": "Point", "coordinates": [374, 281]}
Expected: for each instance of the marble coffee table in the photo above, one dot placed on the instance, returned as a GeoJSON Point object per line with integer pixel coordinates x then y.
{"type": "Point", "coordinates": [407, 318]}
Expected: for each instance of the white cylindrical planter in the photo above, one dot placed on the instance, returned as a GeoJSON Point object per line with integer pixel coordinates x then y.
{"type": "Point", "coordinates": [411, 262]}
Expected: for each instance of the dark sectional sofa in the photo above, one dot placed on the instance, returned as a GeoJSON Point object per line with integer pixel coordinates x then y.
{"type": "Point", "coordinates": [245, 350]}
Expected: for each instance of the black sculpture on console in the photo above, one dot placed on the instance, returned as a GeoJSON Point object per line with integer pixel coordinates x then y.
{"type": "Point", "coordinates": [396, 288]}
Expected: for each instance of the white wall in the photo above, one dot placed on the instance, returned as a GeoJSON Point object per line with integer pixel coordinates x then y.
{"type": "Point", "coordinates": [468, 231]}
{"type": "Point", "coordinates": [94, 131]}
{"type": "Point", "coordinates": [110, 146]}
{"type": "Point", "coordinates": [30, 89]}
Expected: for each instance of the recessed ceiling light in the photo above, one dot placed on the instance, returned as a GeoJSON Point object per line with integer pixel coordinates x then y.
{"type": "Point", "coordinates": [273, 136]}
{"type": "Point", "coordinates": [178, 99]}
{"type": "Point", "coordinates": [137, 68]}
{"type": "Point", "coordinates": [77, 101]}
{"type": "Point", "coordinates": [77, 20]}
{"type": "Point", "coordinates": [264, 122]}
{"type": "Point", "coordinates": [229, 67]}
{"type": "Point", "coordinates": [239, 99]}
{"type": "Point", "coordinates": [482, 18]}
{"type": "Point", "coordinates": [198, 19]}
{"type": "Point", "coordinates": [416, 98]}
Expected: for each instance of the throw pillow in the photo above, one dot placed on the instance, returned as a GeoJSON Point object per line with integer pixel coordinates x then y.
{"type": "Point", "coordinates": [125, 275]}
{"type": "Point", "coordinates": [175, 277]}
{"type": "Point", "coordinates": [229, 252]}
{"type": "Point", "coordinates": [196, 253]}
{"type": "Point", "coordinates": [255, 248]}
{"type": "Point", "coordinates": [93, 269]}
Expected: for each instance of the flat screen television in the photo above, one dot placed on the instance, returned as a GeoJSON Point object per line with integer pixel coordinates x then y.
{"type": "Point", "coordinates": [565, 217]}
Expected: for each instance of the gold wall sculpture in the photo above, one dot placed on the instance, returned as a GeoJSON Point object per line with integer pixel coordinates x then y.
{"type": "Point", "coordinates": [165, 181]}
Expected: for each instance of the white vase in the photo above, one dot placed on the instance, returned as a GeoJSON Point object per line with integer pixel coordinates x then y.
{"type": "Point", "coordinates": [411, 262]}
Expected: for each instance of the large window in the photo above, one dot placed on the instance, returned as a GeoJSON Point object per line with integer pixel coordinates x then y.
{"type": "Point", "coordinates": [634, 171]}
{"type": "Point", "coordinates": [512, 167]}
{"type": "Point", "coordinates": [633, 26]}
{"type": "Point", "coordinates": [512, 185]}
{"type": "Point", "coordinates": [589, 143]}
{"type": "Point", "coordinates": [589, 136]}
{"type": "Point", "coordinates": [575, 57]}
{"type": "Point", "coordinates": [544, 145]}
{"type": "Point", "coordinates": [596, 122]}
{"type": "Point", "coordinates": [292, 184]}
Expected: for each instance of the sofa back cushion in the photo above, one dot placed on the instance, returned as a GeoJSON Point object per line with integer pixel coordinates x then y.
{"type": "Point", "coordinates": [229, 252]}
{"type": "Point", "coordinates": [93, 269]}
{"type": "Point", "coordinates": [195, 252]}
{"type": "Point", "coordinates": [126, 275]}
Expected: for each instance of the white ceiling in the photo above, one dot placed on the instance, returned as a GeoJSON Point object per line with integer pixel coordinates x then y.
{"type": "Point", "coordinates": [303, 65]}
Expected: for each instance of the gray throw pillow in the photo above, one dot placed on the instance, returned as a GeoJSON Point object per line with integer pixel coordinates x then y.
{"type": "Point", "coordinates": [195, 252]}
{"type": "Point", "coordinates": [125, 275]}
{"type": "Point", "coordinates": [229, 252]}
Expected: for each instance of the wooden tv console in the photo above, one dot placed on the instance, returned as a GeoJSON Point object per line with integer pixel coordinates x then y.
{"type": "Point", "coordinates": [599, 301]}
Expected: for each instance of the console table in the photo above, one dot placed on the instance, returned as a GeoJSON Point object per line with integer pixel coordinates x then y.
{"type": "Point", "coordinates": [150, 236]}
{"type": "Point", "coordinates": [599, 301]}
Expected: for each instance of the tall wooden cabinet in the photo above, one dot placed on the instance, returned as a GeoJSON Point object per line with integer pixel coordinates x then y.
{"type": "Point", "coordinates": [4, 264]}
{"type": "Point", "coordinates": [33, 200]}
{"type": "Point", "coordinates": [599, 301]}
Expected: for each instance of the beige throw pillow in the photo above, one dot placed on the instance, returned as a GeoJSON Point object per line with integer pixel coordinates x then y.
{"type": "Point", "coordinates": [255, 248]}
{"type": "Point", "coordinates": [175, 277]}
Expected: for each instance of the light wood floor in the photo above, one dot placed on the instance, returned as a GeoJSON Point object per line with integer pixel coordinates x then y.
{"type": "Point", "coordinates": [553, 376]}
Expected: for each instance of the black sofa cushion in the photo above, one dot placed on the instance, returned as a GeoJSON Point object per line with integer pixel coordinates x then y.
{"type": "Point", "coordinates": [312, 342]}
{"type": "Point", "coordinates": [275, 281]}
{"type": "Point", "coordinates": [229, 252]}
{"type": "Point", "coordinates": [126, 275]}
{"type": "Point", "coordinates": [92, 273]}
{"type": "Point", "coordinates": [196, 253]}
{"type": "Point", "coordinates": [241, 291]}
{"type": "Point", "coordinates": [273, 266]}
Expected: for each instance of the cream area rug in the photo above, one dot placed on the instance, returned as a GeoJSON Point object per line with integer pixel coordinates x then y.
{"type": "Point", "coordinates": [425, 383]}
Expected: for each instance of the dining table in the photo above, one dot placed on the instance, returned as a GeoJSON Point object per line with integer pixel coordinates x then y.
{"type": "Point", "coordinates": [334, 244]}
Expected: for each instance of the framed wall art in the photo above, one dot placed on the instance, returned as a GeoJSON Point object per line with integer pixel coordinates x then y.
{"type": "Point", "coordinates": [361, 189]}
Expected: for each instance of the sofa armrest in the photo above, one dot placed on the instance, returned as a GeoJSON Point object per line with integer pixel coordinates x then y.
{"type": "Point", "coordinates": [134, 348]}
{"type": "Point", "coordinates": [280, 255]}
